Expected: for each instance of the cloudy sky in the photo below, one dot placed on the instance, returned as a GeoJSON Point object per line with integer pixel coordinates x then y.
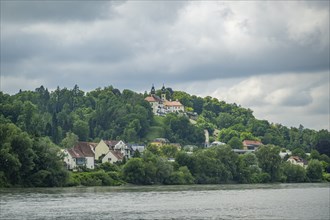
{"type": "Point", "coordinates": [272, 57]}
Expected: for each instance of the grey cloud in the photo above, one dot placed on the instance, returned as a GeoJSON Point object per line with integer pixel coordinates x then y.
{"type": "Point", "coordinates": [54, 11]}
{"type": "Point", "coordinates": [297, 98]}
{"type": "Point", "coordinates": [133, 44]}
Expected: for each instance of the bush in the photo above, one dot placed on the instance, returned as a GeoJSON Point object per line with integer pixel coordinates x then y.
{"type": "Point", "coordinates": [263, 178]}
{"type": "Point", "coordinates": [294, 173]}
{"type": "Point", "coordinates": [326, 177]}
{"type": "Point", "coordinates": [3, 180]}
{"type": "Point", "coordinates": [180, 177]}
{"type": "Point", "coordinates": [314, 171]}
{"type": "Point", "coordinates": [73, 180]}
{"type": "Point", "coordinates": [97, 178]}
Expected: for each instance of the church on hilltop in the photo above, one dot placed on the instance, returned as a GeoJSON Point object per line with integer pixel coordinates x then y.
{"type": "Point", "coordinates": [162, 106]}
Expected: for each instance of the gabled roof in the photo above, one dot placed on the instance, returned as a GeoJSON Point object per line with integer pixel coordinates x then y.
{"type": "Point", "coordinates": [172, 103]}
{"type": "Point", "coordinates": [153, 98]}
{"type": "Point", "coordinates": [250, 142]}
{"type": "Point", "coordinates": [111, 143]}
{"type": "Point", "coordinates": [117, 154]}
{"type": "Point", "coordinates": [298, 159]}
{"type": "Point", "coordinates": [82, 149]}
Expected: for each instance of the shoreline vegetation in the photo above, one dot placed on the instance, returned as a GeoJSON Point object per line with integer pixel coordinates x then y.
{"type": "Point", "coordinates": [36, 125]}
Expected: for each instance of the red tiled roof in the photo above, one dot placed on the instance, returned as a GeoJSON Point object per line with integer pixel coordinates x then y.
{"type": "Point", "coordinates": [250, 142]}
{"type": "Point", "coordinates": [111, 143]}
{"type": "Point", "coordinates": [153, 98]}
{"type": "Point", "coordinates": [82, 149]}
{"type": "Point", "coordinates": [172, 103]}
{"type": "Point", "coordinates": [117, 154]}
{"type": "Point", "coordinates": [298, 159]}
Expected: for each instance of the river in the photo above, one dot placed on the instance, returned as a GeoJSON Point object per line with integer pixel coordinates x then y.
{"type": "Point", "coordinates": [260, 201]}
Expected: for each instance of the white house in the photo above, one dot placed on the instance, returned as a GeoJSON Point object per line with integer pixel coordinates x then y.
{"type": "Point", "coordinates": [217, 143]}
{"type": "Point", "coordinates": [119, 146]}
{"type": "Point", "coordinates": [101, 149]}
{"type": "Point", "coordinates": [113, 157]}
{"type": "Point", "coordinates": [251, 144]}
{"type": "Point", "coordinates": [81, 155]}
{"type": "Point", "coordinates": [284, 154]}
{"type": "Point", "coordinates": [173, 106]}
{"type": "Point", "coordinates": [297, 161]}
{"type": "Point", "coordinates": [137, 147]}
{"type": "Point", "coordinates": [84, 154]}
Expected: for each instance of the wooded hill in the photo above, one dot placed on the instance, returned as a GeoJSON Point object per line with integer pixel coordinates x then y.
{"type": "Point", "coordinates": [34, 125]}
{"type": "Point", "coordinates": [112, 115]}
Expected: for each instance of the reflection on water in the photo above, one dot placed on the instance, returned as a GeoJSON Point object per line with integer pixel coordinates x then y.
{"type": "Point", "coordinates": [264, 201]}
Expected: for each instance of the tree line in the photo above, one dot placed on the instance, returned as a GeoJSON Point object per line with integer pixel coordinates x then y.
{"type": "Point", "coordinates": [35, 125]}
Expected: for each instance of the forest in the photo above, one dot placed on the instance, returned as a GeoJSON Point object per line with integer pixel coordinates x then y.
{"type": "Point", "coordinates": [36, 125]}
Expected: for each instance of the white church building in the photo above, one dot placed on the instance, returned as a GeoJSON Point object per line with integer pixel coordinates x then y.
{"type": "Point", "coordinates": [162, 106]}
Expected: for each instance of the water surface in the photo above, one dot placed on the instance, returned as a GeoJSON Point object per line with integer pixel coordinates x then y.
{"type": "Point", "coordinates": [268, 201]}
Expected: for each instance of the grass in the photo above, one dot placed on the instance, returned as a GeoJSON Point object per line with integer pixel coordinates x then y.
{"type": "Point", "coordinates": [156, 130]}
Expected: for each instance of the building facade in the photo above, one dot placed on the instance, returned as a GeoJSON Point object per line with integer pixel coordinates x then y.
{"type": "Point", "coordinates": [162, 106]}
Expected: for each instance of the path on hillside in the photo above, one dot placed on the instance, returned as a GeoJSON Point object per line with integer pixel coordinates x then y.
{"type": "Point", "coordinates": [207, 137]}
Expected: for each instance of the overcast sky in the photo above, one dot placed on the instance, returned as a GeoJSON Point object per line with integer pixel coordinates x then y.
{"type": "Point", "coordinates": [272, 57]}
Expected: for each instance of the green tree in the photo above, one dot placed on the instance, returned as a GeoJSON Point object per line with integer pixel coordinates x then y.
{"type": "Point", "coordinates": [180, 177]}
{"type": "Point", "coordinates": [81, 129]}
{"type": "Point", "coordinates": [134, 171]}
{"type": "Point", "coordinates": [269, 161]}
{"type": "Point", "coordinates": [48, 165]}
{"type": "Point", "coordinates": [322, 142]}
{"type": "Point", "coordinates": [294, 173]}
{"type": "Point", "coordinates": [154, 149]}
{"type": "Point", "coordinates": [248, 170]}
{"type": "Point", "coordinates": [315, 155]}
{"type": "Point", "coordinates": [69, 141]}
{"type": "Point", "coordinates": [169, 151]}
{"type": "Point", "coordinates": [226, 120]}
{"type": "Point", "coordinates": [226, 134]}
{"type": "Point", "coordinates": [299, 152]}
{"type": "Point", "coordinates": [314, 170]}
{"type": "Point", "coordinates": [235, 143]}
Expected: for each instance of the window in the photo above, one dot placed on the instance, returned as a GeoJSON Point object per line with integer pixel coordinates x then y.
{"type": "Point", "coordinates": [81, 161]}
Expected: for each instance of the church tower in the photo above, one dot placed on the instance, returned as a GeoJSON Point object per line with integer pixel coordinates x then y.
{"type": "Point", "coordinates": [163, 93]}
{"type": "Point", "coordinates": [153, 91]}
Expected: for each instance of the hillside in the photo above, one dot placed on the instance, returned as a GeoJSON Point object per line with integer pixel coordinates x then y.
{"type": "Point", "coordinates": [112, 114]}
{"type": "Point", "coordinates": [37, 125]}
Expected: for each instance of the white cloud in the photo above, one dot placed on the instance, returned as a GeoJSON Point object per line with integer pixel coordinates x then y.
{"type": "Point", "coordinates": [289, 99]}
{"type": "Point", "coordinates": [14, 84]}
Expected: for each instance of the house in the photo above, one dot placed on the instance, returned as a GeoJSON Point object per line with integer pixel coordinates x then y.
{"type": "Point", "coordinates": [173, 106]}
{"type": "Point", "coordinates": [119, 146]}
{"type": "Point", "coordinates": [251, 145]}
{"type": "Point", "coordinates": [156, 104]}
{"type": "Point", "coordinates": [162, 106]}
{"type": "Point", "coordinates": [217, 143]}
{"type": "Point", "coordinates": [111, 151]}
{"type": "Point", "coordinates": [84, 154]}
{"type": "Point", "coordinates": [101, 149]}
{"type": "Point", "coordinates": [136, 147]}
{"type": "Point", "coordinates": [160, 142]}
{"type": "Point", "coordinates": [112, 157]}
{"type": "Point", "coordinates": [298, 161]}
{"type": "Point", "coordinates": [283, 154]}
{"type": "Point", "coordinates": [81, 155]}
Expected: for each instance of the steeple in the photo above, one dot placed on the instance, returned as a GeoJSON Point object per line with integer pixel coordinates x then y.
{"type": "Point", "coordinates": [153, 91]}
{"type": "Point", "coordinates": [163, 93]}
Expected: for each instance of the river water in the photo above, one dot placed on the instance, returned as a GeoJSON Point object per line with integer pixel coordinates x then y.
{"type": "Point", "coordinates": [269, 201]}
